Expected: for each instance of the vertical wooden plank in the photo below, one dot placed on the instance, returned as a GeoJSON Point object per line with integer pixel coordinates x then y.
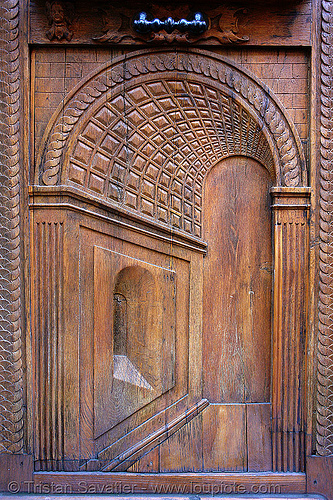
{"type": "Point", "coordinates": [183, 450]}
{"type": "Point", "coordinates": [148, 463]}
{"type": "Point", "coordinates": [290, 323]}
{"type": "Point", "coordinates": [193, 308]}
{"type": "Point", "coordinates": [237, 283]}
{"type": "Point", "coordinates": [71, 314]}
{"type": "Point", "coordinates": [258, 432]}
{"type": "Point", "coordinates": [103, 338]}
{"type": "Point", "coordinates": [224, 432]}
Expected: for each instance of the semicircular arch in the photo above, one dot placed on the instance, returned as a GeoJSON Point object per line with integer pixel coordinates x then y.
{"type": "Point", "coordinates": [144, 132]}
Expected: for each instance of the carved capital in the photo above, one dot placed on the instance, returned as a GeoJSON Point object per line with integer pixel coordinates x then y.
{"type": "Point", "coordinates": [291, 204]}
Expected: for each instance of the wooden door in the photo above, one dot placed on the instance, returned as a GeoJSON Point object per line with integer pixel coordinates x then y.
{"type": "Point", "coordinates": [169, 232]}
{"type": "Point", "coordinates": [160, 260]}
{"type": "Point", "coordinates": [162, 230]}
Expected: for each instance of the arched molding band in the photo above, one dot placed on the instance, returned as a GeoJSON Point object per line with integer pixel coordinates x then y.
{"type": "Point", "coordinates": [11, 374]}
{"type": "Point", "coordinates": [219, 71]}
{"type": "Point", "coordinates": [144, 131]}
{"type": "Point", "coordinates": [324, 414]}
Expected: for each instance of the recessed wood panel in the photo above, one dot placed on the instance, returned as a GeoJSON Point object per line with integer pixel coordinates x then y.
{"type": "Point", "coordinates": [183, 451]}
{"type": "Point", "coordinates": [259, 447]}
{"type": "Point", "coordinates": [134, 325]}
{"type": "Point", "coordinates": [237, 282]}
{"type": "Point", "coordinates": [224, 438]}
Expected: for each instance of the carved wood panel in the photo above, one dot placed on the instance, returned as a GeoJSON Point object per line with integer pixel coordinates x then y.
{"type": "Point", "coordinates": [280, 134]}
{"type": "Point", "coordinates": [151, 151]}
{"type": "Point", "coordinates": [138, 139]}
{"type": "Point", "coordinates": [241, 109]}
{"type": "Point", "coordinates": [11, 375]}
{"type": "Point", "coordinates": [324, 434]}
{"type": "Point", "coordinates": [283, 24]}
{"type": "Point", "coordinates": [139, 347]}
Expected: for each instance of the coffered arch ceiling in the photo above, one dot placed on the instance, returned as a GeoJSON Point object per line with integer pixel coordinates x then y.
{"type": "Point", "coordinates": [145, 130]}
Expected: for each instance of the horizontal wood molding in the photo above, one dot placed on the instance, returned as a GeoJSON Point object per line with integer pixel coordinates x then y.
{"type": "Point", "coordinates": [69, 198]}
{"type": "Point", "coordinates": [193, 483]}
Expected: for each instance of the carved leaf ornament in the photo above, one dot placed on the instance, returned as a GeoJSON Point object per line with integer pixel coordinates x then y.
{"type": "Point", "coordinates": [11, 375]}
{"type": "Point", "coordinates": [324, 435]}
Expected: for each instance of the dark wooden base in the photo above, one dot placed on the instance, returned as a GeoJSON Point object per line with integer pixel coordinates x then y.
{"type": "Point", "coordinates": [9, 496]}
{"type": "Point", "coordinates": [189, 483]}
{"type": "Point", "coordinates": [319, 477]}
{"type": "Point", "coordinates": [16, 470]}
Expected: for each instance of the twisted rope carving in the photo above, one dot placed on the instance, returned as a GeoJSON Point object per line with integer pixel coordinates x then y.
{"type": "Point", "coordinates": [290, 154]}
{"type": "Point", "coordinates": [11, 411]}
{"type": "Point", "coordinates": [324, 436]}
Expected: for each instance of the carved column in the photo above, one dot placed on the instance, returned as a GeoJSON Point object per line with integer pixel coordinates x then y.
{"type": "Point", "coordinates": [291, 240]}
{"type": "Point", "coordinates": [11, 412]}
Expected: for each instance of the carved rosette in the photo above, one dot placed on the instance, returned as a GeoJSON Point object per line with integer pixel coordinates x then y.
{"type": "Point", "coordinates": [11, 412]}
{"type": "Point", "coordinates": [324, 435]}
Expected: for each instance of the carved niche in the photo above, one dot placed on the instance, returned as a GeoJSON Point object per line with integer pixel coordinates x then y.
{"type": "Point", "coordinates": [150, 151]}
{"type": "Point", "coordinates": [135, 143]}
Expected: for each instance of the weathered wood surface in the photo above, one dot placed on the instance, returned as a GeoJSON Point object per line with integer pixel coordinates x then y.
{"type": "Point", "coordinates": [319, 475]}
{"type": "Point", "coordinates": [280, 24]}
{"type": "Point", "coordinates": [150, 152]}
{"type": "Point", "coordinates": [237, 283]}
{"type": "Point", "coordinates": [169, 229]}
{"type": "Point", "coordinates": [206, 483]}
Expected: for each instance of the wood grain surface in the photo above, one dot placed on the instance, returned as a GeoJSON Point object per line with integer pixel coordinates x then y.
{"type": "Point", "coordinates": [176, 277]}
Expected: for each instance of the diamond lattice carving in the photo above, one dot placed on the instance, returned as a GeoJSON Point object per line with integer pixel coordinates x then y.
{"type": "Point", "coordinates": [151, 151]}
